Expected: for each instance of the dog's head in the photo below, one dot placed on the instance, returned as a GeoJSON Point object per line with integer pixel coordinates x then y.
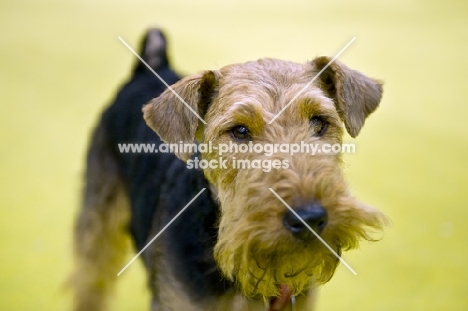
{"type": "Point", "coordinates": [285, 216]}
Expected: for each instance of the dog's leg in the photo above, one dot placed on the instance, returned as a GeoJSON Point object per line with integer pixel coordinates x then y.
{"type": "Point", "coordinates": [101, 238]}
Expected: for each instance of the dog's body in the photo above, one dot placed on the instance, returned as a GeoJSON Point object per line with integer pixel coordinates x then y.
{"type": "Point", "coordinates": [236, 247]}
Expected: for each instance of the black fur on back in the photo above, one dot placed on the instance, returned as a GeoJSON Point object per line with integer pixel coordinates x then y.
{"type": "Point", "coordinates": [160, 185]}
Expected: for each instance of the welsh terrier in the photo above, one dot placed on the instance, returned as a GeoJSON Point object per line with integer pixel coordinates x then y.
{"type": "Point", "coordinates": [255, 238]}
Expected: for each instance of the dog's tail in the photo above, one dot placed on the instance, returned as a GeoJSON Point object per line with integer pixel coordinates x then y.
{"type": "Point", "coordinates": [101, 238]}
{"type": "Point", "coordinates": [153, 50]}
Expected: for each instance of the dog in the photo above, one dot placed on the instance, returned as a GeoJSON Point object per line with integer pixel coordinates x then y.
{"type": "Point", "coordinates": [229, 236]}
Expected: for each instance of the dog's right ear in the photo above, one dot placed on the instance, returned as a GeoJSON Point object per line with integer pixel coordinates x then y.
{"type": "Point", "coordinates": [178, 112]}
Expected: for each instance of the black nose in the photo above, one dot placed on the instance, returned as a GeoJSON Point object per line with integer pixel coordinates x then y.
{"type": "Point", "coordinates": [314, 215]}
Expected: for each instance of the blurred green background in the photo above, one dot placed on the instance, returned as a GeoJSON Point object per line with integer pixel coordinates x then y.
{"type": "Point", "coordinates": [61, 63]}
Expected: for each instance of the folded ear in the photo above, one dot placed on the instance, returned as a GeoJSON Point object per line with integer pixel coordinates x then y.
{"type": "Point", "coordinates": [176, 114]}
{"type": "Point", "coordinates": [356, 96]}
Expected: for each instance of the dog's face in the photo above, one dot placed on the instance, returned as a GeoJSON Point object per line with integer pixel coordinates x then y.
{"type": "Point", "coordinates": [262, 245]}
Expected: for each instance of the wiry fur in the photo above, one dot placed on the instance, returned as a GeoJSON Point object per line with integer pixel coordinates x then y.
{"type": "Point", "coordinates": [230, 250]}
{"type": "Point", "coordinates": [253, 247]}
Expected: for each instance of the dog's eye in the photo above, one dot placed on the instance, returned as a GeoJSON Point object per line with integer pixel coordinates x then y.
{"type": "Point", "coordinates": [240, 132]}
{"type": "Point", "coordinates": [319, 125]}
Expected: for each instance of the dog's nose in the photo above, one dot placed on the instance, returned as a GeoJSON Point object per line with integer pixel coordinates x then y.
{"type": "Point", "coordinates": [314, 215]}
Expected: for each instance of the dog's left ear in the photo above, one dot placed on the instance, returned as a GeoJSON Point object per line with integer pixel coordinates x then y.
{"type": "Point", "coordinates": [356, 96]}
{"type": "Point", "coordinates": [175, 121]}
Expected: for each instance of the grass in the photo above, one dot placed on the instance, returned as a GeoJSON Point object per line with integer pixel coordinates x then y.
{"type": "Point", "coordinates": [61, 62]}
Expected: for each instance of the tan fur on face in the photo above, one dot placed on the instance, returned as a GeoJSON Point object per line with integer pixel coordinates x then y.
{"type": "Point", "coordinates": [254, 249]}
